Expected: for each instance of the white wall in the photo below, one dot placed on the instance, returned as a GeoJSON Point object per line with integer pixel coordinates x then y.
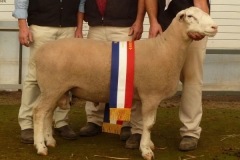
{"type": "Point", "coordinates": [221, 71]}
{"type": "Point", "coordinates": [227, 15]}
{"type": "Point", "coordinates": [6, 8]}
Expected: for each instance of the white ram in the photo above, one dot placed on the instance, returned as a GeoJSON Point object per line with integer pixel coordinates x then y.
{"type": "Point", "coordinates": [83, 67]}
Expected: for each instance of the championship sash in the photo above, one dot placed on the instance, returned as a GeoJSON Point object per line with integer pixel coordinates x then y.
{"type": "Point", "coordinates": [121, 87]}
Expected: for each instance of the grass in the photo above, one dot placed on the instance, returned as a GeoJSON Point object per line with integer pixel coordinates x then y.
{"type": "Point", "coordinates": [216, 124]}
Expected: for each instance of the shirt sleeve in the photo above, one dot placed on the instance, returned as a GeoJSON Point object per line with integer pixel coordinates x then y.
{"type": "Point", "coordinates": [21, 7]}
{"type": "Point", "coordinates": [81, 6]}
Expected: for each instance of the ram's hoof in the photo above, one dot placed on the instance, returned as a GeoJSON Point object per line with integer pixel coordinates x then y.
{"type": "Point", "coordinates": [51, 143]}
{"type": "Point", "coordinates": [42, 152]}
{"type": "Point", "coordinates": [148, 157]}
{"type": "Point", "coordinates": [148, 154]}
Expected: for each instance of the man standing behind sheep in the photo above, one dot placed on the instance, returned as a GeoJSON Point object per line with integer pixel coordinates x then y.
{"type": "Point", "coordinates": [114, 20]}
{"type": "Point", "coordinates": [47, 20]}
{"type": "Point", "coordinates": [161, 13]}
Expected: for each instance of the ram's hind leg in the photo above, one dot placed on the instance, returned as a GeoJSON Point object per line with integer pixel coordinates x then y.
{"type": "Point", "coordinates": [40, 113]}
{"type": "Point", "coordinates": [149, 110]}
{"type": "Point", "coordinates": [48, 133]}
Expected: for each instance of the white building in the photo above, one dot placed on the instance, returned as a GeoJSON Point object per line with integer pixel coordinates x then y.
{"type": "Point", "coordinates": [221, 67]}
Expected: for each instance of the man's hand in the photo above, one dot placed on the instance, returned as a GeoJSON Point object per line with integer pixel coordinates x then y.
{"type": "Point", "coordinates": [136, 31]}
{"type": "Point", "coordinates": [78, 33]}
{"type": "Point", "coordinates": [25, 35]}
{"type": "Point", "coordinates": [154, 30]}
{"type": "Point", "coordinates": [195, 36]}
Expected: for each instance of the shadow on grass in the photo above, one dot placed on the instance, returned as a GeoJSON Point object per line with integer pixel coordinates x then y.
{"type": "Point", "coordinates": [216, 124]}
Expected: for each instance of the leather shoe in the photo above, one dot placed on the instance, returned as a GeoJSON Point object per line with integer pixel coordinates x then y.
{"type": "Point", "coordinates": [188, 143]}
{"type": "Point", "coordinates": [134, 141]}
{"type": "Point", "coordinates": [90, 129]}
{"type": "Point", "coordinates": [27, 136]}
{"type": "Point", "coordinates": [125, 133]}
{"type": "Point", "coordinates": [65, 132]}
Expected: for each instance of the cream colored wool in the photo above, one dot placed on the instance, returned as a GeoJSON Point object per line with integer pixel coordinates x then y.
{"type": "Point", "coordinates": [83, 66]}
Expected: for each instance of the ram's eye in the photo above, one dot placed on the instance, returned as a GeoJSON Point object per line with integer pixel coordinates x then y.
{"type": "Point", "coordinates": [190, 16]}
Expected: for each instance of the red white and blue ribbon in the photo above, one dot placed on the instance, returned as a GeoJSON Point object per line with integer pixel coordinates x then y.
{"type": "Point", "coordinates": [121, 84]}
{"type": "Point", "coordinates": [122, 75]}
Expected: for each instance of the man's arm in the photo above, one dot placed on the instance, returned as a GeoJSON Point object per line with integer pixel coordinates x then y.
{"type": "Point", "coordinates": [80, 17]}
{"type": "Point", "coordinates": [78, 32]}
{"type": "Point", "coordinates": [152, 10]}
{"type": "Point", "coordinates": [25, 35]}
{"type": "Point", "coordinates": [21, 7]}
{"type": "Point", "coordinates": [137, 27]}
{"type": "Point", "coordinates": [202, 4]}
{"type": "Point", "coordinates": [20, 12]}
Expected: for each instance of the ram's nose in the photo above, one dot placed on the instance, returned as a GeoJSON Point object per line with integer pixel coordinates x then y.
{"type": "Point", "coordinates": [215, 28]}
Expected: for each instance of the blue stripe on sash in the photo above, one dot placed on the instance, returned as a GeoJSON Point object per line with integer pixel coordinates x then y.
{"type": "Point", "coordinates": [114, 75]}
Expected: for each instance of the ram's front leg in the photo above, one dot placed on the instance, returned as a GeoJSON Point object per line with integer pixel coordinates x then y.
{"type": "Point", "coordinates": [149, 116]}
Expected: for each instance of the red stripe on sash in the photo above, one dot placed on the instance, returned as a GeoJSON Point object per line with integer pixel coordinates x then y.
{"type": "Point", "coordinates": [130, 75]}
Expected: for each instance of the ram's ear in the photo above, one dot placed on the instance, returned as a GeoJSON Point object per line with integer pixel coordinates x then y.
{"type": "Point", "coordinates": [181, 15]}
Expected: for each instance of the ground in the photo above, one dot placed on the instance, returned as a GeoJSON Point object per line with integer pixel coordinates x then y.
{"type": "Point", "coordinates": [219, 139]}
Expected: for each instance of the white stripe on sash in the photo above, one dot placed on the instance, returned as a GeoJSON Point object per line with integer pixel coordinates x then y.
{"type": "Point", "coordinates": [122, 74]}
